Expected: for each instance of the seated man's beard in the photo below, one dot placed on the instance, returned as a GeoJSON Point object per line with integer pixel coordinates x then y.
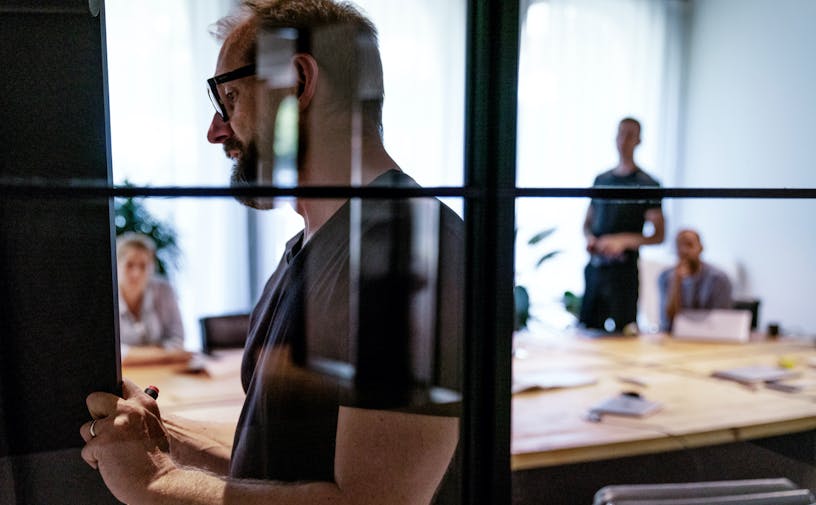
{"type": "Point", "coordinates": [245, 170]}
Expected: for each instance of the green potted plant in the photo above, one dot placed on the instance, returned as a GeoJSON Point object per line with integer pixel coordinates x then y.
{"type": "Point", "coordinates": [130, 215]}
{"type": "Point", "coordinates": [521, 298]}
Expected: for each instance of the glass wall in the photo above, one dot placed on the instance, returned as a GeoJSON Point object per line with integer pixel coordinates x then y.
{"type": "Point", "coordinates": [156, 93]}
{"type": "Point", "coordinates": [723, 112]}
{"type": "Point", "coordinates": [354, 274]}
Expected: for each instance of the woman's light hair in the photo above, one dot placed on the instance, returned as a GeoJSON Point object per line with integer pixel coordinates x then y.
{"type": "Point", "coordinates": [134, 240]}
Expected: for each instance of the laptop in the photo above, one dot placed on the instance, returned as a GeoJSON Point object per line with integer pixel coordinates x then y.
{"type": "Point", "coordinates": [715, 325]}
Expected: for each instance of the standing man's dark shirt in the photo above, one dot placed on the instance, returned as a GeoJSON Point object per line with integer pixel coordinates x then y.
{"type": "Point", "coordinates": [304, 357]}
{"type": "Point", "coordinates": [612, 283]}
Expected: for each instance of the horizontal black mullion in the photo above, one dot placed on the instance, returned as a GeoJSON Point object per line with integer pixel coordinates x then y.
{"type": "Point", "coordinates": [90, 190]}
{"type": "Point", "coordinates": [652, 193]}
{"type": "Point", "coordinates": [104, 191]}
{"type": "Point", "coordinates": [46, 10]}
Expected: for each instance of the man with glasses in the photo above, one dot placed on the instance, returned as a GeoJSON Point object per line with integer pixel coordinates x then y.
{"type": "Point", "coordinates": [351, 366]}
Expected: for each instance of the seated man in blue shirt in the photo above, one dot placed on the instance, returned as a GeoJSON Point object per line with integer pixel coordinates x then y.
{"type": "Point", "coordinates": [692, 283]}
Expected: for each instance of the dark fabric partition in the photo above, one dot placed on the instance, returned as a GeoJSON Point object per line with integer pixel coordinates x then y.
{"type": "Point", "coordinates": [57, 303]}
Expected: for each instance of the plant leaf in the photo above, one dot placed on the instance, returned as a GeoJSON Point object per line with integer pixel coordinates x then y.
{"type": "Point", "coordinates": [538, 237]}
{"type": "Point", "coordinates": [546, 257]}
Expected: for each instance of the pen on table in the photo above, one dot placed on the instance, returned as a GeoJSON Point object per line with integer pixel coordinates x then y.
{"type": "Point", "coordinates": [152, 391]}
{"type": "Point", "coordinates": [633, 380]}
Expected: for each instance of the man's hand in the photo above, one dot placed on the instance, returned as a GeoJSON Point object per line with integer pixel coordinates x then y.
{"type": "Point", "coordinates": [131, 446]}
{"type": "Point", "coordinates": [614, 245]}
{"type": "Point", "coordinates": [683, 270]}
{"type": "Point", "coordinates": [591, 241]}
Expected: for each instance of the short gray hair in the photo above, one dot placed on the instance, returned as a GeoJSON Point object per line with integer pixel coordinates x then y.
{"type": "Point", "coordinates": [341, 39]}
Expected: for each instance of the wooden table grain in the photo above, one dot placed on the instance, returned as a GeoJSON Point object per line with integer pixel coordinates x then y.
{"type": "Point", "coordinates": [550, 427]}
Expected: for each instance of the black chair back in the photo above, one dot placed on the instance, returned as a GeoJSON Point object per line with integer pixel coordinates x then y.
{"type": "Point", "coordinates": [223, 332]}
{"type": "Point", "coordinates": [753, 306]}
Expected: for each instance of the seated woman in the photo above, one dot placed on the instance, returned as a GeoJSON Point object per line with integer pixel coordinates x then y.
{"type": "Point", "coordinates": [148, 312]}
{"type": "Point", "coordinates": [692, 283]}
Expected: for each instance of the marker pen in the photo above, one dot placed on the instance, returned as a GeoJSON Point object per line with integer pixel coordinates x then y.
{"type": "Point", "coordinates": [152, 391]}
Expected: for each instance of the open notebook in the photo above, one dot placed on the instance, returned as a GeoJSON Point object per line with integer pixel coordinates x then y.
{"type": "Point", "coordinates": [718, 325]}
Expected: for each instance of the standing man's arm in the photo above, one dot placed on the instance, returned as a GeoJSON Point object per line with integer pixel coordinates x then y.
{"type": "Point", "coordinates": [381, 457]}
{"type": "Point", "coordinates": [655, 216]}
{"type": "Point", "coordinates": [617, 243]}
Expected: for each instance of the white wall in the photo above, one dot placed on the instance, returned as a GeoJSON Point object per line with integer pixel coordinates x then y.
{"type": "Point", "coordinates": [751, 122]}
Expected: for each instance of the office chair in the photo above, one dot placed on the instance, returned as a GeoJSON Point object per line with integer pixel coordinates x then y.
{"type": "Point", "coordinates": [227, 331]}
{"type": "Point", "coordinates": [751, 304]}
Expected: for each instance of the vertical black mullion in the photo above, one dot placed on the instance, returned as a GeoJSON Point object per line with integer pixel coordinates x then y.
{"type": "Point", "coordinates": [490, 155]}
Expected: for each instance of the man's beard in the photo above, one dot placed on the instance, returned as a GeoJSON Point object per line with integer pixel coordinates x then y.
{"type": "Point", "coordinates": [245, 170]}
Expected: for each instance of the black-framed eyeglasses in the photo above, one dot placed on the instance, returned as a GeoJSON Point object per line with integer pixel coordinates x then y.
{"type": "Point", "coordinates": [213, 82]}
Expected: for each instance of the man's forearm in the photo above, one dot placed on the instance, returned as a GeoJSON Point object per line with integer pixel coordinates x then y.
{"type": "Point", "coordinates": [191, 487]}
{"type": "Point", "coordinates": [633, 241]}
{"type": "Point", "coordinates": [199, 444]}
{"type": "Point", "coordinates": [639, 239]}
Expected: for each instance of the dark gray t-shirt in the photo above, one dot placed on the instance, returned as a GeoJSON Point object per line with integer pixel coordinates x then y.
{"type": "Point", "coordinates": [388, 337]}
{"type": "Point", "coordinates": [611, 216]}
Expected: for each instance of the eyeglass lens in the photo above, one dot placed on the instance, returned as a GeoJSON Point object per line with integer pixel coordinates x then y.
{"type": "Point", "coordinates": [219, 108]}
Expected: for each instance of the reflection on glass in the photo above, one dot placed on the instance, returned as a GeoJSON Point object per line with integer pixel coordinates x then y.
{"type": "Point", "coordinates": [352, 360]}
{"type": "Point", "coordinates": [364, 310]}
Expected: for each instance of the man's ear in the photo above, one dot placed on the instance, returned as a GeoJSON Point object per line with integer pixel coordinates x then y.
{"type": "Point", "coordinates": [307, 73]}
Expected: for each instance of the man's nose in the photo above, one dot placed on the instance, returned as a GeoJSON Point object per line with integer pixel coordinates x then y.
{"type": "Point", "coordinates": [219, 130]}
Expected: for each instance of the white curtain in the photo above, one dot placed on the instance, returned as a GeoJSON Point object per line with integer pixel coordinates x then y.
{"type": "Point", "coordinates": [423, 50]}
{"type": "Point", "coordinates": [584, 65]}
{"type": "Point", "coordinates": [422, 44]}
{"type": "Point", "coordinates": [159, 55]}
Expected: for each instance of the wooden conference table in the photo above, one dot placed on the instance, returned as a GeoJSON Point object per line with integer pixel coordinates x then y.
{"type": "Point", "coordinates": [549, 425]}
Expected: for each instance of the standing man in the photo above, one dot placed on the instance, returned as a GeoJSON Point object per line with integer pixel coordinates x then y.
{"type": "Point", "coordinates": [351, 367]}
{"type": "Point", "coordinates": [692, 283]}
{"type": "Point", "coordinates": [614, 233]}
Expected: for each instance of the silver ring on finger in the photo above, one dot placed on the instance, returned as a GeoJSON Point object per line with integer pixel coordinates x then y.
{"type": "Point", "coordinates": [91, 429]}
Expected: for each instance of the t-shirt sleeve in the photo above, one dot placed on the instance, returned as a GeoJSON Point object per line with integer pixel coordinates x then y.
{"type": "Point", "coordinates": [721, 297]}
